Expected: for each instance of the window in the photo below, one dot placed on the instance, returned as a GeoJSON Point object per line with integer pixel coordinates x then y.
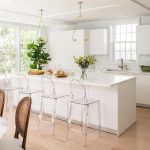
{"type": "Point", "coordinates": [26, 35]}
{"type": "Point", "coordinates": [125, 42]}
{"type": "Point", "coordinates": [7, 50]}
{"type": "Point", "coordinates": [9, 47]}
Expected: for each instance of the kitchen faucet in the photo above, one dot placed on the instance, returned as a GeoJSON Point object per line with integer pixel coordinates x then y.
{"type": "Point", "coordinates": [122, 65]}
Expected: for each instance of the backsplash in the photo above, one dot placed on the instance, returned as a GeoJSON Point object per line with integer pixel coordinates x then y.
{"type": "Point", "coordinates": [106, 62]}
{"type": "Point", "coordinates": [144, 60]}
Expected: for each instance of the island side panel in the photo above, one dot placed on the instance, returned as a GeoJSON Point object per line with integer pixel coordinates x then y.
{"type": "Point", "coordinates": [109, 107]}
{"type": "Point", "coordinates": [126, 105]}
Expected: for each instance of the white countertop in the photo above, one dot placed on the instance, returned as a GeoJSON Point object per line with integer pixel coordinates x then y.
{"type": "Point", "coordinates": [104, 80]}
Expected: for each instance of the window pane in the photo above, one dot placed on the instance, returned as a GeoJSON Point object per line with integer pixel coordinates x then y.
{"type": "Point", "coordinates": [123, 55]}
{"type": "Point", "coordinates": [7, 49]}
{"type": "Point", "coordinates": [133, 36]}
{"type": "Point", "coordinates": [128, 55]}
{"type": "Point", "coordinates": [123, 37]}
{"type": "Point", "coordinates": [134, 46]}
{"type": "Point", "coordinates": [117, 47]}
{"type": "Point", "coordinates": [117, 37]}
{"type": "Point", "coordinates": [133, 55]}
{"type": "Point", "coordinates": [134, 27]}
{"type": "Point", "coordinates": [129, 28]}
{"type": "Point", "coordinates": [123, 28]}
{"type": "Point", "coordinates": [128, 46]}
{"type": "Point", "coordinates": [26, 37]}
{"type": "Point", "coordinates": [117, 55]}
{"type": "Point", "coordinates": [118, 29]}
{"type": "Point", "coordinates": [129, 37]}
{"type": "Point", "coordinates": [122, 46]}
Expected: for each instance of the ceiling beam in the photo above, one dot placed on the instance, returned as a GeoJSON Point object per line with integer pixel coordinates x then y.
{"type": "Point", "coordinates": [141, 4]}
{"type": "Point", "coordinates": [83, 10]}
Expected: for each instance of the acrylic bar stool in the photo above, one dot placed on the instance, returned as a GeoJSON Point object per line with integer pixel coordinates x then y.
{"type": "Point", "coordinates": [78, 96]}
{"type": "Point", "coordinates": [7, 86]}
{"type": "Point", "coordinates": [49, 93]}
{"type": "Point", "coordinates": [25, 89]}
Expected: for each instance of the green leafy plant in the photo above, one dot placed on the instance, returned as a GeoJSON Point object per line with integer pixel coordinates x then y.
{"type": "Point", "coordinates": [37, 55]}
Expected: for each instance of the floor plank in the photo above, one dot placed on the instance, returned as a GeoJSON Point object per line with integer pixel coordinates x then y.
{"type": "Point", "coordinates": [136, 138]}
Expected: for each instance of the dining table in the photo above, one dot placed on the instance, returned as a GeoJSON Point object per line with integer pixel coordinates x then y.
{"type": "Point", "coordinates": [3, 127]}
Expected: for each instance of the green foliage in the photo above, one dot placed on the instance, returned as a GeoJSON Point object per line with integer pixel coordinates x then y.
{"type": "Point", "coordinates": [37, 55]}
{"type": "Point", "coordinates": [7, 50]}
{"type": "Point", "coordinates": [84, 61]}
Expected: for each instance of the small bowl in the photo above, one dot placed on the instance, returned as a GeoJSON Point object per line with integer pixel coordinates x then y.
{"type": "Point", "coordinates": [145, 68]}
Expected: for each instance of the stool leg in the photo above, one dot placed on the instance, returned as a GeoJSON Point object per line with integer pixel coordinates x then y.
{"type": "Point", "coordinates": [11, 99]}
{"type": "Point", "coordinates": [99, 119]}
{"type": "Point", "coordinates": [69, 120]}
{"type": "Point", "coordinates": [53, 116]}
{"type": "Point", "coordinates": [82, 111]}
{"type": "Point", "coordinates": [18, 100]}
{"type": "Point", "coordinates": [67, 108]}
{"type": "Point", "coordinates": [85, 125]}
{"type": "Point", "coordinates": [7, 99]}
{"type": "Point", "coordinates": [10, 103]}
{"type": "Point", "coordinates": [41, 112]}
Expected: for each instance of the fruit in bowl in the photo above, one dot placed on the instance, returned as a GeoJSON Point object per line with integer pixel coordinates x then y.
{"type": "Point", "coordinates": [49, 72]}
{"type": "Point", "coordinates": [35, 72]}
{"type": "Point", "coordinates": [61, 73]}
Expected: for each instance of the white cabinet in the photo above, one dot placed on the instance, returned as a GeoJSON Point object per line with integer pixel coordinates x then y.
{"type": "Point", "coordinates": [63, 48]}
{"type": "Point", "coordinates": [143, 89]}
{"type": "Point", "coordinates": [98, 42]}
{"type": "Point", "coordinates": [143, 39]}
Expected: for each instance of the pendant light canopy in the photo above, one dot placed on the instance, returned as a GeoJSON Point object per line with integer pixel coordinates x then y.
{"type": "Point", "coordinates": [80, 19]}
{"type": "Point", "coordinates": [41, 25]}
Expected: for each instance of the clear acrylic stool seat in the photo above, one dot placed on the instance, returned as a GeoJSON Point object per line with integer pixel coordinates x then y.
{"type": "Point", "coordinates": [50, 95]}
{"type": "Point", "coordinates": [25, 88]}
{"type": "Point", "coordinates": [82, 100]}
{"type": "Point", "coordinates": [7, 86]}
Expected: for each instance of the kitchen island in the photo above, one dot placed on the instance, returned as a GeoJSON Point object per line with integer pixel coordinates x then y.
{"type": "Point", "coordinates": [116, 92]}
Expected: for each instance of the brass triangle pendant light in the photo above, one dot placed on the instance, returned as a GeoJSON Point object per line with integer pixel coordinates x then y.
{"type": "Point", "coordinates": [80, 19]}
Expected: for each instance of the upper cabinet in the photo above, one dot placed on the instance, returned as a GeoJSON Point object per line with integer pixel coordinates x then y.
{"type": "Point", "coordinates": [63, 48]}
{"type": "Point", "coordinates": [143, 39]}
{"type": "Point", "coordinates": [98, 42]}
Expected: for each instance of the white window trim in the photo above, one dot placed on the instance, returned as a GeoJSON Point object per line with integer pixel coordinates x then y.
{"type": "Point", "coordinates": [114, 40]}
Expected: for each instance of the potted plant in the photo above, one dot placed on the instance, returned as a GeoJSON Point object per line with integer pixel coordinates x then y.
{"type": "Point", "coordinates": [84, 62]}
{"type": "Point", "coordinates": [36, 53]}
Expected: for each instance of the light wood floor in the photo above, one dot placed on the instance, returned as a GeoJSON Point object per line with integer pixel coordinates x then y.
{"type": "Point", "coordinates": [136, 138]}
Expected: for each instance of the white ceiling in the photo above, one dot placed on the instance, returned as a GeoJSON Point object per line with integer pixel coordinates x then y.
{"type": "Point", "coordinates": [67, 10]}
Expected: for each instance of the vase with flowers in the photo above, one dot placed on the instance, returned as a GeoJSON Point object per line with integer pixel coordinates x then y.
{"type": "Point", "coordinates": [84, 62]}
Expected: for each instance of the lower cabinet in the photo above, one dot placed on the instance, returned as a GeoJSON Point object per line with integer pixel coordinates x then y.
{"type": "Point", "coordinates": [143, 89]}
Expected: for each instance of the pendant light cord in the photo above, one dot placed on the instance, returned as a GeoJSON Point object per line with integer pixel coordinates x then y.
{"type": "Point", "coordinates": [41, 24]}
{"type": "Point", "coordinates": [80, 18]}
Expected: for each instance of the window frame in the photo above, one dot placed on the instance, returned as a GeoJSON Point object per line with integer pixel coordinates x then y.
{"type": "Point", "coordinates": [119, 42]}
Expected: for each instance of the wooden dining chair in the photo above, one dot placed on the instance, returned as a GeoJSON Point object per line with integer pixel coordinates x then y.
{"type": "Point", "coordinates": [21, 121]}
{"type": "Point", "coordinates": [2, 102]}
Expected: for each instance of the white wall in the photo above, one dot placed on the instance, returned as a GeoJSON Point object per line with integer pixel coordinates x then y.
{"type": "Point", "coordinates": [107, 60]}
